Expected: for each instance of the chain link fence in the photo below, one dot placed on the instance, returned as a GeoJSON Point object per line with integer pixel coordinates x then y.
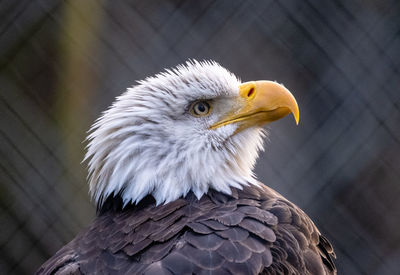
{"type": "Point", "coordinates": [63, 62]}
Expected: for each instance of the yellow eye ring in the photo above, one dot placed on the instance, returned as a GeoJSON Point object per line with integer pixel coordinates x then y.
{"type": "Point", "coordinates": [200, 108]}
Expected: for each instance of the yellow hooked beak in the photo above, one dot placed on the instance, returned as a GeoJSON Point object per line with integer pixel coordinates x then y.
{"type": "Point", "coordinates": [260, 102]}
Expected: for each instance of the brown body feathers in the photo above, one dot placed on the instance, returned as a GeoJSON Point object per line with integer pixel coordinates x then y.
{"type": "Point", "coordinates": [252, 231]}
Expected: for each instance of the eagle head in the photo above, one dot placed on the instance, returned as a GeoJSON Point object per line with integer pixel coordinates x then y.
{"type": "Point", "coordinates": [190, 128]}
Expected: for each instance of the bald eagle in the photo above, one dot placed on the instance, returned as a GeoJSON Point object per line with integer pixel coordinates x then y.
{"type": "Point", "coordinates": [170, 169]}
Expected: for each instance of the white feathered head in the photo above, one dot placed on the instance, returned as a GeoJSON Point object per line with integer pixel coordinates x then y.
{"type": "Point", "coordinates": [191, 128]}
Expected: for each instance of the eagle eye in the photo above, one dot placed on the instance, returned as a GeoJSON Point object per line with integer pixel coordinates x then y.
{"type": "Point", "coordinates": [200, 108]}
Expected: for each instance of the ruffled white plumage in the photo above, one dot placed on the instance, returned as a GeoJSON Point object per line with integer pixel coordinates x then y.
{"type": "Point", "coordinates": [147, 142]}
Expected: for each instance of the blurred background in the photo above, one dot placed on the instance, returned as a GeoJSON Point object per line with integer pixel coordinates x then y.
{"type": "Point", "coordinates": [63, 62]}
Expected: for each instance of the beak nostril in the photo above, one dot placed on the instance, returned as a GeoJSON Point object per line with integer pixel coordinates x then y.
{"type": "Point", "coordinates": [251, 92]}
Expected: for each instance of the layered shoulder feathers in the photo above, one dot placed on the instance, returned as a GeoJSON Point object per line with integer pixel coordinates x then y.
{"type": "Point", "coordinates": [252, 231]}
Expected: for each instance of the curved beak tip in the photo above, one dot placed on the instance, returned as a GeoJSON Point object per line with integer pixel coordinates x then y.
{"type": "Point", "coordinates": [297, 119]}
{"type": "Point", "coordinates": [296, 115]}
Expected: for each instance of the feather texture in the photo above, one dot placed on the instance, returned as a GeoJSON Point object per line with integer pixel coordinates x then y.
{"type": "Point", "coordinates": [252, 231]}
